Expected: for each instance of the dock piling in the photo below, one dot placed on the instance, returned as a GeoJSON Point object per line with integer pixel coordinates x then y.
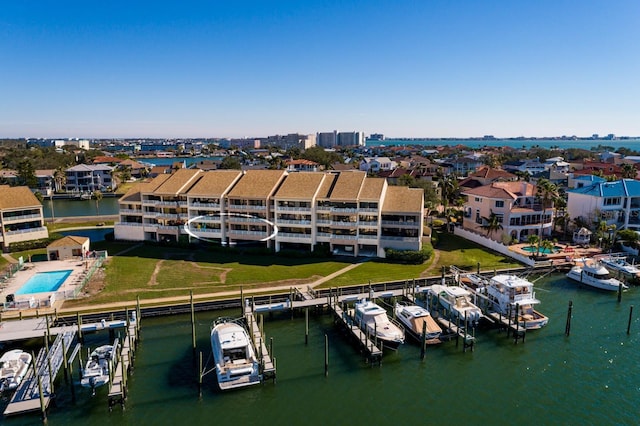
{"type": "Point", "coordinates": [193, 324]}
{"type": "Point", "coordinates": [200, 376]}
{"type": "Point", "coordinates": [423, 341]}
{"type": "Point", "coordinates": [326, 355]}
{"type": "Point", "coordinates": [620, 292]}
{"type": "Point", "coordinates": [306, 326]}
{"type": "Point", "coordinates": [630, 317]}
{"type": "Point", "coordinates": [567, 328]}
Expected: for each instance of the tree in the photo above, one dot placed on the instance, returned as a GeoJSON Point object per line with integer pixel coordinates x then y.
{"type": "Point", "coordinates": [60, 178]}
{"type": "Point", "coordinates": [629, 171]}
{"type": "Point", "coordinates": [98, 196]}
{"type": "Point", "coordinates": [533, 240]}
{"type": "Point", "coordinates": [492, 223]}
{"type": "Point", "coordinates": [27, 174]}
{"type": "Point", "coordinates": [546, 193]}
{"type": "Point", "coordinates": [229, 162]}
{"type": "Point", "coordinates": [546, 245]}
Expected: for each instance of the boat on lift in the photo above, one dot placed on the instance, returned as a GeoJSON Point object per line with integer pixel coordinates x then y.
{"type": "Point", "coordinates": [415, 319]}
{"type": "Point", "coordinates": [593, 273]}
{"type": "Point", "coordinates": [374, 320]}
{"type": "Point", "coordinates": [96, 370]}
{"type": "Point", "coordinates": [14, 365]}
{"type": "Point", "coordinates": [457, 300]}
{"type": "Point", "coordinates": [236, 364]}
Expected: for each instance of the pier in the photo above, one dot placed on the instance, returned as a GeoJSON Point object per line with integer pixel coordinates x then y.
{"type": "Point", "coordinates": [372, 351]}
{"type": "Point", "coordinates": [122, 363]}
{"type": "Point", "coordinates": [36, 389]}
{"type": "Point", "coordinates": [266, 362]}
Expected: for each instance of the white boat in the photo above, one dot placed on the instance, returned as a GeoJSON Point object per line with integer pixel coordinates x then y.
{"type": "Point", "coordinates": [458, 301]}
{"type": "Point", "coordinates": [593, 273]}
{"type": "Point", "coordinates": [373, 319]}
{"type": "Point", "coordinates": [13, 367]}
{"type": "Point", "coordinates": [96, 370]}
{"type": "Point", "coordinates": [414, 318]}
{"type": "Point", "coordinates": [618, 263]}
{"type": "Point", "coordinates": [507, 291]}
{"type": "Point", "coordinates": [235, 358]}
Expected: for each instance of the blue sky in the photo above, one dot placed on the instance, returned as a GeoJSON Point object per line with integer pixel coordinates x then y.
{"type": "Point", "coordinates": [432, 68]}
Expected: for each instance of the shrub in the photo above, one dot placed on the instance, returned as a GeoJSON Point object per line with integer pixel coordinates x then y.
{"type": "Point", "coordinates": [412, 257]}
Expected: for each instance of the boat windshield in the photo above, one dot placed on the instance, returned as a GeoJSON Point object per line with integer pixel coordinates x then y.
{"type": "Point", "coordinates": [603, 276]}
{"type": "Point", "coordinates": [462, 302]}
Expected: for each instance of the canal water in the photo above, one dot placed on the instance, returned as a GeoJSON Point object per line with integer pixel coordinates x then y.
{"type": "Point", "coordinates": [590, 377]}
{"type": "Point", "coordinates": [64, 208]}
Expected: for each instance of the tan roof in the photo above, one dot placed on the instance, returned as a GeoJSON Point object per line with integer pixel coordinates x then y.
{"type": "Point", "coordinates": [403, 199]}
{"type": "Point", "coordinates": [348, 186]}
{"type": "Point", "coordinates": [327, 185]}
{"type": "Point", "coordinates": [302, 185]}
{"type": "Point", "coordinates": [257, 183]}
{"type": "Point", "coordinates": [504, 190]}
{"type": "Point", "coordinates": [214, 183]}
{"type": "Point", "coordinates": [69, 240]}
{"type": "Point", "coordinates": [133, 194]}
{"type": "Point", "coordinates": [372, 189]}
{"type": "Point", "coordinates": [17, 197]}
{"type": "Point", "coordinates": [179, 182]}
{"type": "Point", "coordinates": [491, 173]}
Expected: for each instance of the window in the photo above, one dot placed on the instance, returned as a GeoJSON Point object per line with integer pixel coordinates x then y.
{"type": "Point", "coordinates": [499, 203]}
{"type": "Point", "coordinates": [477, 199]}
{"type": "Point", "coordinates": [612, 201]}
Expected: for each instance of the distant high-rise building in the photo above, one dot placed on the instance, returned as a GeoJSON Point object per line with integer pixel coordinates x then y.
{"type": "Point", "coordinates": [350, 139]}
{"type": "Point", "coordinates": [292, 140]}
{"type": "Point", "coordinates": [327, 139]}
{"type": "Point", "coordinates": [376, 137]}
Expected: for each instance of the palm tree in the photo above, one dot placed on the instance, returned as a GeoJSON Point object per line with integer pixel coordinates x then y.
{"type": "Point", "coordinates": [629, 171]}
{"type": "Point", "coordinates": [60, 178]}
{"type": "Point", "coordinates": [533, 240]}
{"type": "Point", "coordinates": [98, 196]}
{"type": "Point", "coordinates": [492, 223]}
{"type": "Point", "coordinates": [546, 193]}
{"type": "Point", "coordinates": [545, 244]}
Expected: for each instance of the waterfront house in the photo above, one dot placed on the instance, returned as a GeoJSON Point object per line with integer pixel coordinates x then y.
{"type": "Point", "coordinates": [617, 203]}
{"type": "Point", "coordinates": [89, 178]}
{"type": "Point", "coordinates": [21, 217]}
{"type": "Point", "coordinates": [486, 175]}
{"type": "Point", "coordinates": [347, 212]}
{"type": "Point", "coordinates": [377, 164]}
{"type": "Point", "coordinates": [516, 208]}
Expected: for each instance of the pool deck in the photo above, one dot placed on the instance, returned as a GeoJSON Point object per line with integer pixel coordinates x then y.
{"type": "Point", "coordinates": [78, 269]}
{"type": "Point", "coordinates": [568, 252]}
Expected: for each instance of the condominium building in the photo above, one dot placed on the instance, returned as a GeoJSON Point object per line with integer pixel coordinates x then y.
{"type": "Point", "coordinates": [347, 212]}
{"type": "Point", "coordinates": [90, 178]}
{"type": "Point", "coordinates": [21, 217]}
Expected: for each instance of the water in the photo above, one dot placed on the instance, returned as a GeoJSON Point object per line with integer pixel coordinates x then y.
{"type": "Point", "coordinates": [64, 208]}
{"type": "Point", "coordinates": [514, 143]}
{"type": "Point", "coordinates": [94, 234]}
{"type": "Point", "coordinates": [590, 377]}
{"type": "Point", "coordinates": [543, 250]}
{"type": "Point", "coordinates": [44, 281]}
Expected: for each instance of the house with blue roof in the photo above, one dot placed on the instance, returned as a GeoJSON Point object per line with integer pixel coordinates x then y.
{"type": "Point", "coordinates": [617, 203]}
{"type": "Point", "coordinates": [580, 181]}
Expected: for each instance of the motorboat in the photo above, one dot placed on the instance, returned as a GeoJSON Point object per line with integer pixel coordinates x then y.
{"type": "Point", "coordinates": [594, 274]}
{"type": "Point", "coordinates": [617, 263]}
{"type": "Point", "coordinates": [14, 365]}
{"type": "Point", "coordinates": [96, 370]}
{"type": "Point", "coordinates": [457, 300]}
{"type": "Point", "coordinates": [415, 319]}
{"type": "Point", "coordinates": [235, 358]}
{"type": "Point", "coordinates": [510, 295]}
{"type": "Point", "coordinates": [373, 320]}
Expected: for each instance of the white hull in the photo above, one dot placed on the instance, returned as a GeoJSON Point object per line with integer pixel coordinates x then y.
{"type": "Point", "coordinates": [13, 367]}
{"type": "Point", "coordinates": [587, 275]}
{"type": "Point", "coordinates": [414, 318]}
{"type": "Point", "coordinates": [96, 371]}
{"type": "Point", "coordinates": [507, 291]}
{"type": "Point", "coordinates": [457, 300]}
{"type": "Point", "coordinates": [235, 359]}
{"type": "Point", "coordinates": [373, 319]}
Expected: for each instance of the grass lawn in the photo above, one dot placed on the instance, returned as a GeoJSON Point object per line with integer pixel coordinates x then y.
{"type": "Point", "coordinates": [452, 251]}
{"type": "Point", "coordinates": [53, 227]}
{"type": "Point", "coordinates": [155, 271]}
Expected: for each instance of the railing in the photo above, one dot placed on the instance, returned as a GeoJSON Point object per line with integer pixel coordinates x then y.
{"type": "Point", "coordinates": [367, 237]}
{"type": "Point", "coordinates": [128, 224]}
{"type": "Point", "coordinates": [20, 218]}
{"type": "Point", "coordinates": [246, 207]}
{"type": "Point", "coordinates": [344, 237]}
{"type": "Point", "coordinates": [208, 205]}
{"type": "Point", "coordinates": [294, 209]}
{"type": "Point", "coordinates": [26, 231]}
{"type": "Point", "coordinates": [392, 238]}
{"type": "Point", "coordinates": [130, 211]}
{"type": "Point", "coordinates": [256, 233]}
{"type": "Point", "coordinates": [405, 223]}
{"type": "Point", "coordinates": [293, 222]}
{"type": "Point", "coordinates": [293, 235]}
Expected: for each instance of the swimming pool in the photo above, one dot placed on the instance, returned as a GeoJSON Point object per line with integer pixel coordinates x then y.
{"type": "Point", "coordinates": [44, 281]}
{"type": "Point", "coordinates": [543, 250]}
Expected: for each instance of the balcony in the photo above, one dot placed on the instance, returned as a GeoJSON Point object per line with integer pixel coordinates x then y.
{"type": "Point", "coordinates": [21, 218]}
{"type": "Point", "coordinates": [206, 205]}
{"type": "Point", "coordinates": [295, 236]}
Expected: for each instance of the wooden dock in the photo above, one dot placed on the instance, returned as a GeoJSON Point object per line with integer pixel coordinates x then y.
{"type": "Point", "coordinates": [267, 363]}
{"type": "Point", "coordinates": [36, 389]}
{"type": "Point", "coordinates": [373, 352]}
{"type": "Point", "coordinates": [122, 363]}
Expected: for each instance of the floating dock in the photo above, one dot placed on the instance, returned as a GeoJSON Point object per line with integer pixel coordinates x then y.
{"type": "Point", "coordinates": [121, 364]}
{"type": "Point", "coordinates": [36, 389]}
{"type": "Point", "coordinates": [266, 362]}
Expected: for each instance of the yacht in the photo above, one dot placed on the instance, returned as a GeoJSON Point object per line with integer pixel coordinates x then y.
{"type": "Point", "coordinates": [235, 358]}
{"type": "Point", "coordinates": [96, 370]}
{"type": "Point", "coordinates": [618, 263]}
{"type": "Point", "coordinates": [13, 367]}
{"type": "Point", "coordinates": [593, 273]}
{"type": "Point", "coordinates": [374, 320]}
{"type": "Point", "coordinates": [506, 291]}
{"type": "Point", "coordinates": [458, 301]}
{"type": "Point", "coordinates": [414, 319]}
